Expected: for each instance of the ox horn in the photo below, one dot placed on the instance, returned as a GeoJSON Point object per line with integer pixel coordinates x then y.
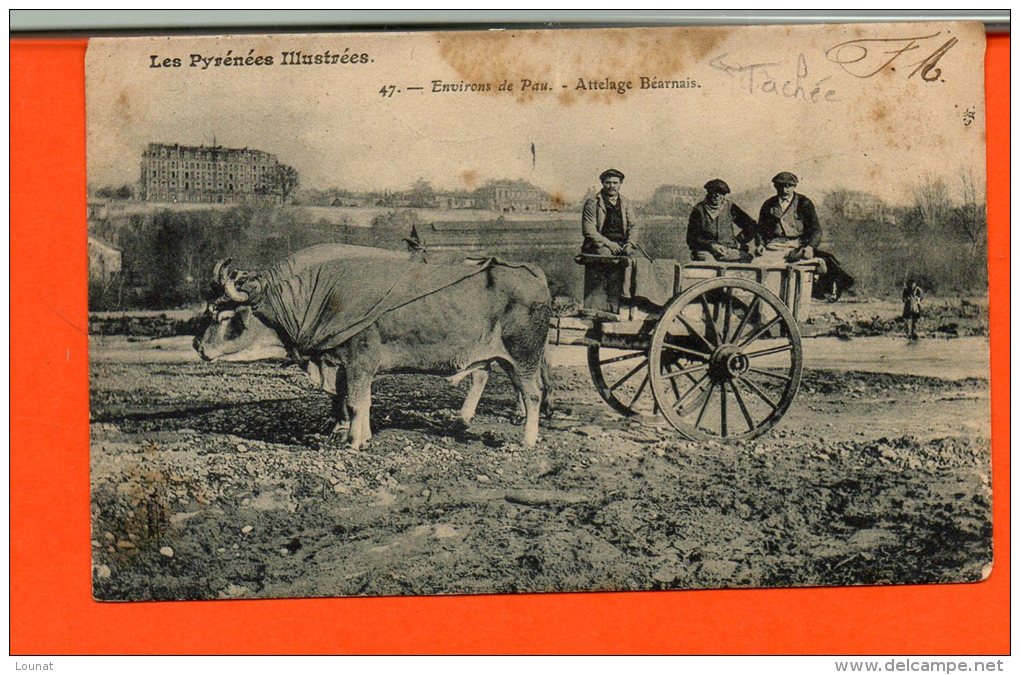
{"type": "Point", "coordinates": [232, 292]}
{"type": "Point", "coordinates": [224, 315]}
{"type": "Point", "coordinates": [220, 269]}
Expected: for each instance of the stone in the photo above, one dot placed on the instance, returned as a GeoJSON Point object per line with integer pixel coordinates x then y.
{"type": "Point", "coordinates": [872, 538]}
{"type": "Point", "coordinates": [235, 591]}
{"type": "Point", "coordinates": [444, 531]}
{"type": "Point", "coordinates": [103, 571]}
{"type": "Point", "coordinates": [246, 529]}
{"type": "Point", "coordinates": [719, 568]}
{"type": "Point", "coordinates": [166, 551]}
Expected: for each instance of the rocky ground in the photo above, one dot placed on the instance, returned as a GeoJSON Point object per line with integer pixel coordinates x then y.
{"type": "Point", "coordinates": [217, 481]}
{"type": "Point", "coordinates": [850, 317]}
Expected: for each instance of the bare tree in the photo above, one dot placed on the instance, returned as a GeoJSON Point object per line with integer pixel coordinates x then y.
{"type": "Point", "coordinates": [973, 220]}
{"type": "Point", "coordinates": [286, 180]}
{"type": "Point", "coordinates": [931, 198]}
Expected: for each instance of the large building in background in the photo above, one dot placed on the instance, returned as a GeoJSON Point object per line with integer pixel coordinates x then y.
{"type": "Point", "coordinates": [513, 195]}
{"type": "Point", "coordinates": [213, 174]}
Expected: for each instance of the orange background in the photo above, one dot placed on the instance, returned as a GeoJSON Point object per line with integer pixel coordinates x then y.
{"type": "Point", "coordinates": [52, 611]}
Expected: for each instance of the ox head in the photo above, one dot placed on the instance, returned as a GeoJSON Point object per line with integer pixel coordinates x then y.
{"type": "Point", "coordinates": [231, 285]}
{"type": "Point", "coordinates": [229, 330]}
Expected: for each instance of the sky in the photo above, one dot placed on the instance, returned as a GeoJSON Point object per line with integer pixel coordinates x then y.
{"type": "Point", "coordinates": [332, 122]}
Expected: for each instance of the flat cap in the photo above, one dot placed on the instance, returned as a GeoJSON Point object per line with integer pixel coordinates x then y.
{"type": "Point", "coordinates": [784, 178]}
{"type": "Point", "coordinates": [717, 185]}
{"type": "Point", "coordinates": [609, 173]}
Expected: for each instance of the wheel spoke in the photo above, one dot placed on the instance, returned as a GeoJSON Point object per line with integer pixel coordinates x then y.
{"type": "Point", "coordinates": [744, 319]}
{"type": "Point", "coordinates": [690, 352]}
{"type": "Point", "coordinates": [742, 406]}
{"type": "Point", "coordinates": [686, 371]}
{"type": "Point", "coordinates": [727, 315]}
{"type": "Point", "coordinates": [672, 381]}
{"type": "Point", "coordinates": [772, 350]}
{"type": "Point", "coordinates": [710, 320]}
{"type": "Point", "coordinates": [704, 406]}
{"type": "Point", "coordinates": [766, 373]}
{"type": "Point", "coordinates": [641, 389]}
{"type": "Point", "coordinates": [629, 375]}
{"type": "Point", "coordinates": [625, 357]}
{"type": "Point", "coordinates": [690, 329]}
{"type": "Point", "coordinates": [678, 406]}
{"type": "Point", "coordinates": [722, 409]}
{"type": "Point", "coordinates": [761, 331]}
{"type": "Point", "coordinates": [757, 390]}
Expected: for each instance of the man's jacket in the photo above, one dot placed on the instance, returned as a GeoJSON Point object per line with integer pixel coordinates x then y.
{"type": "Point", "coordinates": [730, 228]}
{"type": "Point", "coordinates": [799, 221]}
{"type": "Point", "coordinates": [593, 217]}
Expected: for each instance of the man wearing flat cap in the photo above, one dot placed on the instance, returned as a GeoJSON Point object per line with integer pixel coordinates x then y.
{"type": "Point", "coordinates": [718, 229]}
{"type": "Point", "coordinates": [607, 221]}
{"type": "Point", "coordinates": [788, 225]}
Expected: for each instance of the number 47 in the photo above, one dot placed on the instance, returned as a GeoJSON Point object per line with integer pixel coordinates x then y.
{"type": "Point", "coordinates": [387, 90]}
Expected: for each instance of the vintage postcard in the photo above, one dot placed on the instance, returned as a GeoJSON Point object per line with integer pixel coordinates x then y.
{"type": "Point", "coordinates": [537, 311]}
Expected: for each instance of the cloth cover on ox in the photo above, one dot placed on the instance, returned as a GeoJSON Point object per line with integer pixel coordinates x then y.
{"type": "Point", "coordinates": [322, 304]}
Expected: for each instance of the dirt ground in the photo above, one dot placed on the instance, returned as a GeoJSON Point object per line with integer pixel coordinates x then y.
{"type": "Point", "coordinates": [217, 481]}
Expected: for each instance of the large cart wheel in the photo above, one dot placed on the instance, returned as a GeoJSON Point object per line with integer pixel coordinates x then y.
{"type": "Point", "coordinates": [621, 377]}
{"type": "Point", "coordinates": [725, 360]}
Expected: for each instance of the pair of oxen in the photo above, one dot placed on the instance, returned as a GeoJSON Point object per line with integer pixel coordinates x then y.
{"type": "Point", "coordinates": [349, 313]}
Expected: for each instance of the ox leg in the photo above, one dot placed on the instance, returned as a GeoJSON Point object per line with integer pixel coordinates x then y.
{"type": "Point", "coordinates": [529, 389]}
{"type": "Point", "coordinates": [479, 379]}
{"type": "Point", "coordinates": [341, 411]}
{"type": "Point", "coordinates": [360, 396]}
{"type": "Point", "coordinates": [522, 410]}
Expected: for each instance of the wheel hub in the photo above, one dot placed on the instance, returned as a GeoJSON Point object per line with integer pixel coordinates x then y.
{"type": "Point", "coordinates": [728, 362]}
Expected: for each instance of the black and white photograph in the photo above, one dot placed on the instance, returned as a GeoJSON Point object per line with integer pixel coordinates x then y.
{"type": "Point", "coordinates": [537, 311]}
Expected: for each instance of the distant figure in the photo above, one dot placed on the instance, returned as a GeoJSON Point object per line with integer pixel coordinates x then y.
{"type": "Point", "coordinates": [416, 246]}
{"type": "Point", "coordinates": [607, 221]}
{"type": "Point", "coordinates": [912, 296]}
{"type": "Point", "coordinates": [718, 229]}
{"type": "Point", "coordinates": [789, 227]}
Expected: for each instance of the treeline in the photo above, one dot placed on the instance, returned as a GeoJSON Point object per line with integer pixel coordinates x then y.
{"type": "Point", "coordinates": [168, 256]}
{"type": "Point", "coordinates": [940, 240]}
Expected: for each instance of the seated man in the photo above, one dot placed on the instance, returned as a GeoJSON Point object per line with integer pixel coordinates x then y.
{"type": "Point", "coordinates": [607, 222]}
{"type": "Point", "coordinates": [789, 228]}
{"type": "Point", "coordinates": [788, 223]}
{"type": "Point", "coordinates": [718, 229]}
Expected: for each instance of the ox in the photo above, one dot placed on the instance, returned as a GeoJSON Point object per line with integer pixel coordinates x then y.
{"type": "Point", "coordinates": [353, 318]}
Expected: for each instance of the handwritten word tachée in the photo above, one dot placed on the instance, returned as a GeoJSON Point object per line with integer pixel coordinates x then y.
{"type": "Point", "coordinates": [764, 78]}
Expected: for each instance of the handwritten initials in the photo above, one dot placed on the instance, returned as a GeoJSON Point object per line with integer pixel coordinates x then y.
{"type": "Point", "coordinates": [864, 58]}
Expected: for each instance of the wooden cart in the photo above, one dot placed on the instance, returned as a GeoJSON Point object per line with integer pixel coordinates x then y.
{"type": "Point", "coordinates": [719, 360]}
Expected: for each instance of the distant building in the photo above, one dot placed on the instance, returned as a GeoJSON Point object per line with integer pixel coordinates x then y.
{"type": "Point", "coordinates": [513, 195]}
{"type": "Point", "coordinates": [104, 260]}
{"type": "Point", "coordinates": [96, 210]}
{"type": "Point", "coordinates": [456, 200]}
{"type": "Point", "coordinates": [672, 200]}
{"type": "Point", "coordinates": [214, 174]}
{"type": "Point", "coordinates": [351, 200]}
{"type": "Point", "coordinates": [864, 205]}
